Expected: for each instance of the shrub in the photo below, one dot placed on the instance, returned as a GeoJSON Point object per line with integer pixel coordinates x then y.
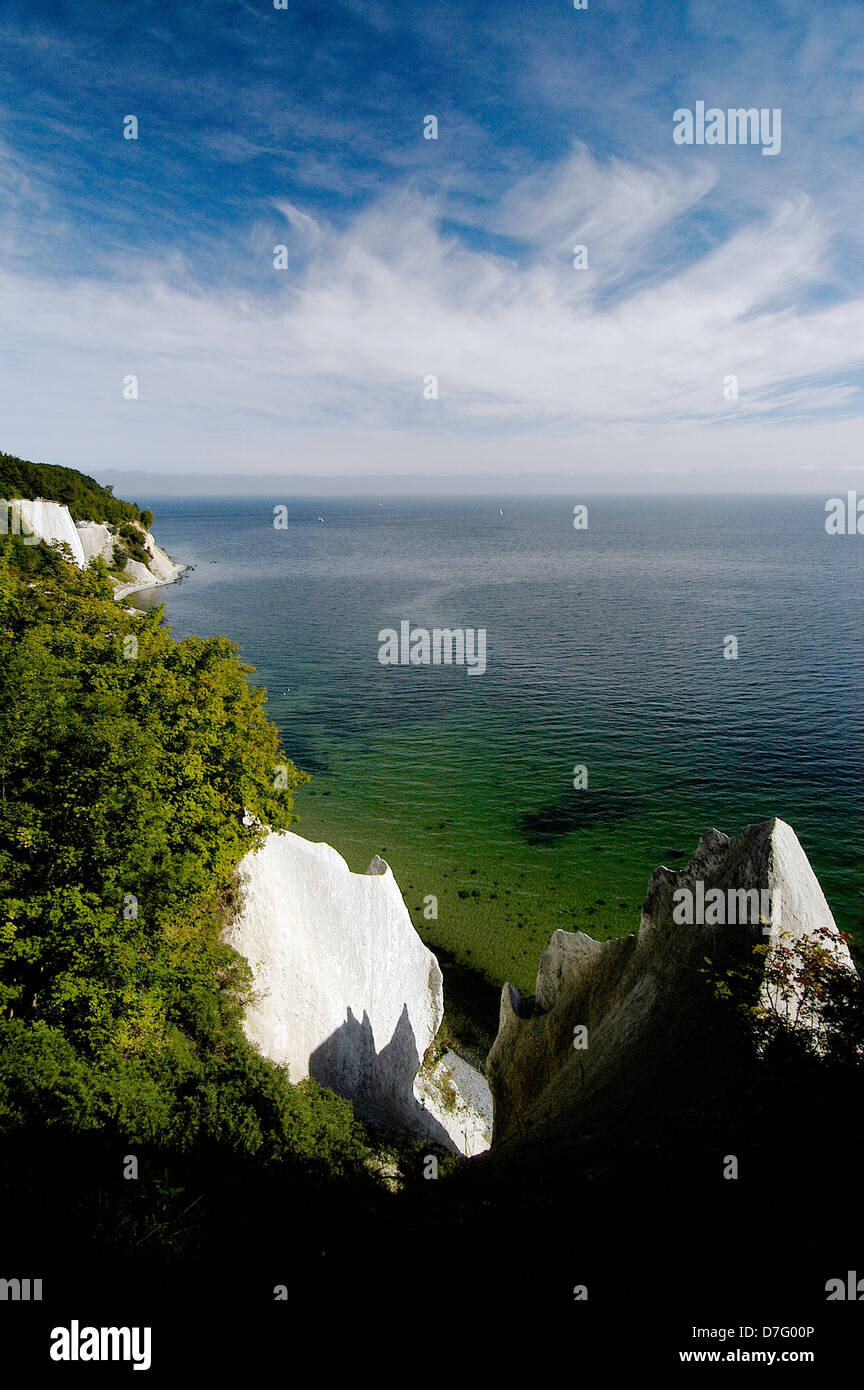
{"type": "Point", "coordinates": [796, 997]}
{"type": "Point", "coordinates": [129, 791]}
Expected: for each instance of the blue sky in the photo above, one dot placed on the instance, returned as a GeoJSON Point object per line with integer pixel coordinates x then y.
{"type": "Point", "coordinates": [410, 257]}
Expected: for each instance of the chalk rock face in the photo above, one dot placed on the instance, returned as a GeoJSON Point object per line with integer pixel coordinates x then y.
{"type": "Point", "coordinates": [161, 566]}
{"type": "Point", "coordinates": [346, 992]}
{"type": "Point", "coordinates": [97, 540]}
{"type": "Point", "coordinates": [50, 521]}
{"type": "Point", "coordinates": [459, 1098]}
{"type": "Point", "coordinates": [616, 1024]}
{"type": "Point", "coordinates": [138, 573]}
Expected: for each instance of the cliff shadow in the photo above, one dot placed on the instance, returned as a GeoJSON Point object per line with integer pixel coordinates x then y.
{"type": "Point", "coordinates": [380, 1085]}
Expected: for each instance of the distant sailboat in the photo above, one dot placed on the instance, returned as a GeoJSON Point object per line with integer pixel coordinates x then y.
{"type": "Point", "coordinates": [500, 511]}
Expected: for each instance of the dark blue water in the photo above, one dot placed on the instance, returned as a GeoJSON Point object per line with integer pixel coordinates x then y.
{"type": "Point", "coordinates": [605, 648]}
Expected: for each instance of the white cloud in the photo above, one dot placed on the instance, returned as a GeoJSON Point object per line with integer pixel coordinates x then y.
{"type": "Point", "coordinates": [612, 208]}
{"type": "Point", "coordinates": [304, 227]}
{"type": "Point", "coordinates": [528, 353]}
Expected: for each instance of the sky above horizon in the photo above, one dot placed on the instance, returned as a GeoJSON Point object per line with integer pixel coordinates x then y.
{"type": "Point", "coordinates": [408, 258]}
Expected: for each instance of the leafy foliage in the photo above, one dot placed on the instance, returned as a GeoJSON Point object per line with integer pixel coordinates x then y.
{"type": "Point", "coordinates": [133, 543]}
{"type": "Point", "coordinates": [135, 772]}
{"type": "Point", "coordinates": [24, 560]}
{"type": "Point", "coordinates": [86, 499]}
{"type": "Point", "coordinates": [796, 998]}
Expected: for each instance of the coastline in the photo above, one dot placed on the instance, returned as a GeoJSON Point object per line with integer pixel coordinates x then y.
{"type": "Point", "coordinates": [128, 589]}
{"type": "Point", "coordinates": [467, 792]}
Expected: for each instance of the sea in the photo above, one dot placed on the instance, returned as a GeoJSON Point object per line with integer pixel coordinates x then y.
{"type": "Point", "coordinates": [673, 665]}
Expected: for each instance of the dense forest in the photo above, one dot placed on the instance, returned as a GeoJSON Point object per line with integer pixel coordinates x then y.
{"type": "Point", "coordinates": [135, 772]}
{"type": "Point", "coordinates": [86, 499]}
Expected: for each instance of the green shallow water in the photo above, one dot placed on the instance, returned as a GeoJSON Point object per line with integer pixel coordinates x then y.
{"type": "Point", "coordinates": [605, 648]}
{"type": "Point", "coordinates": [499, 898]}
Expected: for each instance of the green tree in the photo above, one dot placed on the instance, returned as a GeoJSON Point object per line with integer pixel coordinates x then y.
{"type": "Point", "coordinates": [86, 499]}
{"type": "Point", "coordinates": [135, 773]}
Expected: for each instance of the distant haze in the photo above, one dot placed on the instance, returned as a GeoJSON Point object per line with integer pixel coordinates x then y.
{"type": "Point", "coordinates": [143, 487]}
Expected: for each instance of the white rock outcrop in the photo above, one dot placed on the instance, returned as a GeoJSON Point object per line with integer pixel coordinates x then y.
{"type": "Point", "coordinates": [97, 540]}
{"type": "Point", "coordinates": [617, 1024]}
{"type": "Point", "coordinates": [457, 1095]}
{"type": "Point", "coordinates": [161, 566]}
{"type": "Point", "coordinates": [87, 540]}
{"type": "Point", "coordinates": [51, 522]}
{"type": "Point", "coordinates": [345, 990]}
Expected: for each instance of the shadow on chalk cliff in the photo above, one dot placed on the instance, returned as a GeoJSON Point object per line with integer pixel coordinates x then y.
{"type": "Point", "coordinates": [378, 1084]}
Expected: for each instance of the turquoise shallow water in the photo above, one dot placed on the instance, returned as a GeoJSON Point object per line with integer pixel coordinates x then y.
{"type": "Point", "coordinates": [605, 648]}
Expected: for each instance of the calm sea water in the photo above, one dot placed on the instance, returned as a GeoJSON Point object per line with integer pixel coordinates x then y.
{"type": "Point", "coordinates": [605, 648]}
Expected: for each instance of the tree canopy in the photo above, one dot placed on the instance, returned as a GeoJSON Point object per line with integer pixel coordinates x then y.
{"type": "Point", "coordinates": [86, 499]}
{"type": "Point", "coordinates": [135, 773]}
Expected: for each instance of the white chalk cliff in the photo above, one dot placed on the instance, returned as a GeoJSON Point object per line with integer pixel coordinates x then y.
{"type": "Point", "coordinates": [641, 999]}
{"type": "Point", "coordinates": [52, 522]}
{"type": "Point", "coordinates": [346, 992]}
{"type": "Point", "coordinates": [98, 539]}
{"type": "Point", "coordinates": [459, 1098]}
